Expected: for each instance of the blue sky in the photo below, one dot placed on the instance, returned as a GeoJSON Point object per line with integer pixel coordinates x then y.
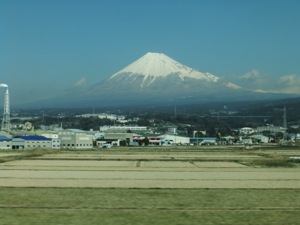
{"type": "Point", "coordinates": [48, 46]}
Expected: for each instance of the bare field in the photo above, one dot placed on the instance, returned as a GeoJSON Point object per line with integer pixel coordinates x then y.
{"type": "Point", "coordinates": [125, 155]}
{"type": "Point", "coordinates": [3, 154]}
{"type": "Point", "coordinates": [145, 186]}
{"type": "Point", "coordinates": [69, 163]}
{"type": "Point", "coordinates": [127, 169]}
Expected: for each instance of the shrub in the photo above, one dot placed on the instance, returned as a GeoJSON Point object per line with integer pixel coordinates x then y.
{"type": "Point", "coordinates": [274, 162]}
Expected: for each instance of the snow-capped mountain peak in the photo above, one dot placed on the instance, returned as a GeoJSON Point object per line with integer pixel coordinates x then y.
{"type": "Point", "coordinates": [155, 65]}
{"type": "Point", "coordinates": [156, 79]}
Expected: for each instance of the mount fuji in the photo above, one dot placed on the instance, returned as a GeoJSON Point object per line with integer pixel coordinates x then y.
{"type": "Point", "coordinates": [155, 77]}
{"type": "Point", "coordinates": [154, 66]}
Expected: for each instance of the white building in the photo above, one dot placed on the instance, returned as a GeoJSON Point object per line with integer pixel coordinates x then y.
{"type": "Point", "coordinates": [5, 143]}
{"type": "Point", "coordinates": [260, 138]}
{"type": "Point", "coordinates": [115, 138]}
{"type": "Point", "coordinates": [246, 131]}
{"type": "Point", "coordinates": [55, 143]}
{"type": "Point", "coordinates": [111, 116]}
{"type": "Point", "coordinates": [75, 139]}
{"type": "Point", "coordinates": [123, 128]}
{"type": "Point", "coordinates": [270, 128]}
{"type": "Point", "coordinates": [50, 135]}
{"type": "Point", "coordinates": [174, 139]}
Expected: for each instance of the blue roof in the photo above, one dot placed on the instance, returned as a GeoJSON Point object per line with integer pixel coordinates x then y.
{"type": "Point", "coordinates": [3, 138]}
{"type": "Point", "coordinates": [33, 138]}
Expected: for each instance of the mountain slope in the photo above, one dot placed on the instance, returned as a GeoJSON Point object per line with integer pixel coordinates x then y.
{"type": "Point", "coordinates": [158, 80]}
{"type": "Point", "coordinates": [156, 74]}
{"type": "Point", "coordinates": [158, 65]}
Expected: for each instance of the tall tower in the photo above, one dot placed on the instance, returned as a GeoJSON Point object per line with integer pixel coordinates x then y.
{"type": "Point", "coordinates": [284, 123]}
{"type": "Point", "coordinates": [6, 125]}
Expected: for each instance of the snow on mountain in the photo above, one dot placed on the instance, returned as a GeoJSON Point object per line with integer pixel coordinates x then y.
{"type": "Point", "coordinates": [155, 77]}
{"type": "Point", "coordinates": [158, 65]}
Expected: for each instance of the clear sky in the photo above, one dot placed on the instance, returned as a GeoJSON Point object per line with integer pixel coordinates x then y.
{"type": "Point", "coordinates": [46, 47]}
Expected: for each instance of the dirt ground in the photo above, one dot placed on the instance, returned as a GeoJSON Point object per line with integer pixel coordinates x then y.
{"type": "Point", "coordinates": [121, 169]}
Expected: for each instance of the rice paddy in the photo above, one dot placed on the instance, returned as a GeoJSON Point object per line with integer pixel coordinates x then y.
{"type": "Point", "coordinates": [131, 186]}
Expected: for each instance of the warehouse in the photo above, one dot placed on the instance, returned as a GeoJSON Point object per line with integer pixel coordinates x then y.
{"type": "Point", "coordinates": [31, 142]}
{"type": "Point", "coordinates": [75, 139]}
{"type": "Point", "coordinates": [5, 143]}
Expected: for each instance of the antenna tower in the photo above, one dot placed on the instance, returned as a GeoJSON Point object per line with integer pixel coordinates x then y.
{"type": "Point", "coordinates": [284, 123]}
{"type": "Point", "coordinates": [6, 125]}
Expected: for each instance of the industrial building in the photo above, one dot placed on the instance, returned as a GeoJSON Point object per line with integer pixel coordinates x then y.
{"type": "Point", "coordinates": [31, 142]}
{"type": "Point", "coordinates": [5, 143]}
{"type": "Point", "coordinates": [123, 128]}
{"type": "Point", "coordinates": [270, 128]}
{"type": "Point", "coordinates": [174, 139]}
{"type": "Point", "coordinates": [75, 139]}
{"type": "Point", "coordinates": [114, 137]}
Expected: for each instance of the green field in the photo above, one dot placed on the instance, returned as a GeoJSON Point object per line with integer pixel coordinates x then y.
{"type": "Point", "coordinates": [148, 206]}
